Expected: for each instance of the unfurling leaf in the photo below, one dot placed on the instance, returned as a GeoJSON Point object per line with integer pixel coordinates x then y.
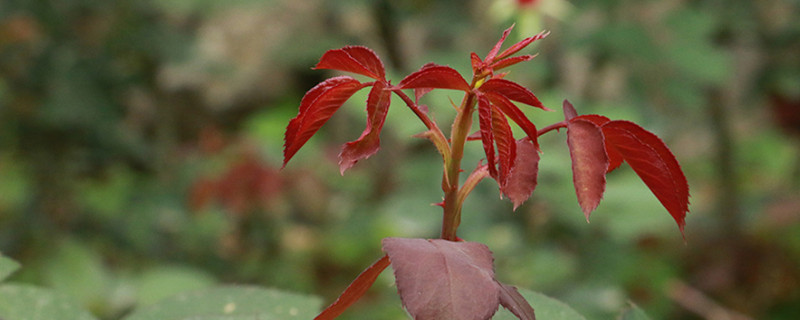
{"type": "Point", "coordinates": [435, 76]}
{"type": "Point", "coordinates": [355, 59]}
{"type": "Point", "coordinates": [589, 162]}
{"type": "Point", "coordinates": [476, 62]}
{"type": "Point", "coordinates": [316, 107]}
{"type": "Point", "coordinates": [522, 179]}
{"type": "Point", "coordinates": [513, 91]}
{"type": "Point", "coordinates": [355, 290]}
{"type": "Point", "coordinates": [490, 57]}
{"type": "Point", "coordinates": [569, 111]}
{"type": "Point", "coordinates": [507, 62]}
{"type": "Point", "coordinates": [440, 279]}
{"type": "Point", "coordinates": [369, 142]}
{"type": "Point", "coordinates": [652, 160]}
{"type": "Point", "coordinates": [522, 44]}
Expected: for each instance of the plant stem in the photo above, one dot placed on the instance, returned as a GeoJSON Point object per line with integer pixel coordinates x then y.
{"type": "Point", "coordinates": [555, 126]}
{"type": "Point", "coordinates": [458, 137]}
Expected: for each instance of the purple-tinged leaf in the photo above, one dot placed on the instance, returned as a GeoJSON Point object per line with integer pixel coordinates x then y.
{"type": "Point", "coordinates": [513, 91]}
{"type": "Point", "coordinates": [522, 180]}
{"type": "Point", "coordinates": [316, 107]}
{"type": "Point", "coordinates": [356, 59]}
{"type": "Point", "coordinates": [487, 136]}
{"type": "Point", "coordinates": [522, 44]}
{"type": "Point", "coordinates": [589, 163]}
{"type": "Point", "coordinates": [655, 164]}
{"type": "Point", "coordinates": [516, 115]}
{"type": "Point", "coordinates": [442, 77]}
{"type": "Point", "coordinates": [355, 290]}
{"type": "Point", "coordinates": [614, 157]}
{"type": "Point", "coordinates": [369, 142]}
{"type": "Point", "coordinates": [512, 300]}
{"type": "Point", "coordinates": [440, 279]}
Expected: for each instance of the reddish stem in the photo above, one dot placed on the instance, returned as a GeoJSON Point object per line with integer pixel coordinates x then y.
{"type": "Point", "coordinates": [556, 126]}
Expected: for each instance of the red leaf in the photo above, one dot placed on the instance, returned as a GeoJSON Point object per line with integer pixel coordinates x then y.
{"type": "Point", "coordinates": [652, 160]}
{"type": "Point", "coordinates": [356, 59]}
{"type": "Point", "coordinates": [487, 136]}
{"type": "Point", "coordinates": [594, 118]}
{"type": "Point", "coordinates": [506, 146]}
{"type": "Point", "coordinates": [490, 57]}
{"type": "Point", "coordinates": [419, 92]}
{"type": "Point", "coordinates": [522, 180]}
{"type": "Point", "coordinates": [440, 279]}
{"type": "Point", "coordinates": [507, 62]}
{"type": "Point", "coordinates": [512, 91]}
{"type": "Point", "coordinates": [589, 162]}
{"type": "Point", "coordinates": [355, 290]}
{"type": "Point", "coordinates": [476, 62]}
{"type": "Point", "coordinates": [369, 142]}
{"type": "Point", "coordinates": [516, 115]}
{"type": "Point", "coordinates": [512, 300]}
{"type": "Point", "coordinates": [442, 77]}
{"type": "Point", "coordinates": [521, 45]}
{"type": "Point", "coordinates": [316, 107]}
{"type": "Point", "coordinates": [614, 158]}
{"type": "Point", "coordinates": [569, 111]}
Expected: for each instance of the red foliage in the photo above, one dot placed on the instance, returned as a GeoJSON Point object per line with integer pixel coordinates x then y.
{"type": "Point", "coordinates": [355, 290]}
{"type": "Point", "coordinates": [441, 279]}
{"type": "Point", "coordinates": [247, 184]}
{"type": "Point", "coordinates": [626, 141]}
{"type": "Point", "coordinates": [317, 106]}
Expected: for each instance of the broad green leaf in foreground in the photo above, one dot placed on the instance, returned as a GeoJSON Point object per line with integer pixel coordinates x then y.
{"type": "Point", "coordinates": [546, 308]}
{"type": "Point", "coordinates": [7, 267]}
{"type": "Point", "coordinates": [232, 302]}
{"type": "Point", "coordinates": [633, 312]}
{"type": "Point", "coordinates": [25, 302]}
{"type": "Point", "coordinates": [165, 281]}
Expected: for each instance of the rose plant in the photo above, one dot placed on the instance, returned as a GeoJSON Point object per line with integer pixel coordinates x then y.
{"type": "Point", "coordinates": [449, 278]}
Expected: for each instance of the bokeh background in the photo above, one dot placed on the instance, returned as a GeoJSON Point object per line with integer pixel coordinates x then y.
{"type": "Point", "coordinates": [140, 146]}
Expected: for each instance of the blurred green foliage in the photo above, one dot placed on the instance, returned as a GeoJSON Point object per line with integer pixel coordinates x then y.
{"type": "Point", "coordinates": [140, 143]}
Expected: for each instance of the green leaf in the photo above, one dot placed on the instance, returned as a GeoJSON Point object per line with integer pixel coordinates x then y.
{"type": "Point", "coordinates": [546, 308]}
{"type": "Point", "coordinates": [24, 302]}
{"type": "Point", "coordinates": [77, 271]}
{"type": "Point", "coordinates": [7, 267]}
{"type": "Point", "coordinates": [633, 312]}
{"type": "Point", "coordinates": [232, 302]}
{"type": "Point", "coordinates": [166, 281]}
